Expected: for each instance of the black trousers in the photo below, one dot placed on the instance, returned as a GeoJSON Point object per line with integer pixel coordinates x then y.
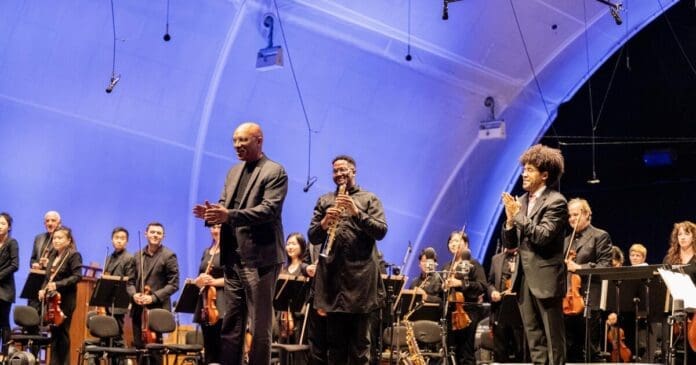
{"type": "Point", "coordinates": [316, 337]}
{"type": "Point", "coordinates": [5, 329]}
{"type": "Point", "coordinates": [60, 343]}
{"type": "Point", "coordinates": [543, 326]}
{"type": "Point", "coordinates": [212, 342]}
{"type": "Point", "coordinates": [348, 338]}
{"type": "Point", "coordinates": [463, 340]}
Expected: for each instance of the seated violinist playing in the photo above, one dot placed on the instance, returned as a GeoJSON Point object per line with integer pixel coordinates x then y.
{"type": "Point", "coordinates": [466, 282]}
{"type": "Point", "coordinates": [59, 293]}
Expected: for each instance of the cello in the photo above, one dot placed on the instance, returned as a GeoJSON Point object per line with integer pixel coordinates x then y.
{"type": "Point", "coordinates": [573, 303]}
{"type": "Point", "coordinates": [619, 351]}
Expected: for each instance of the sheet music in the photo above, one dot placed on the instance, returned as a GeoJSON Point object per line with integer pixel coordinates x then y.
{"type": "Point", "coordinates": [680, 286]}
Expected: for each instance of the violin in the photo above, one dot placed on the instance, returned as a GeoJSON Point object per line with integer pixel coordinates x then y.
{"type": "Point", "coordinates": [460, 318]}
{"type": "Point", "coordinates": [146, 335]}
{"type": "Point", "coordinates": [692, 332]}
{"type": "Point", "coordinates": [573, 303]}
{"type": "Point", "coordinates": [209, 311]}
{"type": "Point", "coordinates": [620, 352]}
{"type": "Point", "coordinates": [53, 315]}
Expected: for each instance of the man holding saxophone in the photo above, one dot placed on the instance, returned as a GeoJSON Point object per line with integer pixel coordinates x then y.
{"type": "Point", "coordinates": [348, 285]}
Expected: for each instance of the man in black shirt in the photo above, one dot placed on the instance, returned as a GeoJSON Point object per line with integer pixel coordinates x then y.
{"type": "Point", "coordinates": [348, 284]}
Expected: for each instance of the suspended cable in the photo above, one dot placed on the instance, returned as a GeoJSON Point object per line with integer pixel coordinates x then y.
{"type": "Point", "coordinates": [408, 43]}
{"type": "Point", "coordinates": [676, 39]}
{"type": "Point", "coordinates": [114, 77]}
{"type": "Point", "coordinates": [310, 179]}
{"type": "Point", "coordinates": [166, 36]}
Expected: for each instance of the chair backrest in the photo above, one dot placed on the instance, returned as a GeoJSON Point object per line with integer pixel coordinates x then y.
{"type": "Point", "coordinates": [26, 316]}
{"type": "Point", "coordinates": [194, 337]}
{"type": "Point", "coordinates": [427, 332]}
{"type": "Point", "coordinates": [102, 326]}
{"type": "Point", "coordinates": [161, 321]}
{"type": "Point", "coordinates": [399, 336]}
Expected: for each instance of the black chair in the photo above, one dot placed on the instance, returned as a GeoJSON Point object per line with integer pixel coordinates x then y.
{"type": "Point", "coordinates": [162, 321]}
{"type": "Point", "coordinates": [105, 329]}
{"type": "Point", "coordinates": [28, 337]}
{"type": "Point", "coordinates": [428, 334]}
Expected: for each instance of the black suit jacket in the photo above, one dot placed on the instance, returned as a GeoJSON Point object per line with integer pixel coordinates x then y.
{"type": "Point", "coordinates": [592, 249]}
{"type": "Point", "coordinates": [162, 275]}
{"type": "Point", "coordinates": [539, 237]}
{"type": "Point", "coordinates": [9, 263]}
{"type": "Point", "coordinates": [120, 264]}
{"type": "Point", "coordinates": [66, 278]}
{"type": "Point", "coordinates": [253, 233]}
{"type": "Point", "coordinates": [41, 243]}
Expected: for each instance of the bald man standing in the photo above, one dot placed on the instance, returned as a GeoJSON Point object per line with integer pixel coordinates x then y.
{"type": "Point", "coordinates": [251, 244]}
{"type": "Point", "coordinates": [42, 241]}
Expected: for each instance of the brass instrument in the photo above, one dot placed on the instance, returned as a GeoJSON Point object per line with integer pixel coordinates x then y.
{"type": "Point", "coordinates": [334, 227]}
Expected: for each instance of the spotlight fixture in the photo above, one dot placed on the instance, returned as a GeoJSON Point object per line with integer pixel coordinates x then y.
{"type": "Point", "coordinates": [271, 57]}
{"type": "Point", "coordinates": [614, 10]}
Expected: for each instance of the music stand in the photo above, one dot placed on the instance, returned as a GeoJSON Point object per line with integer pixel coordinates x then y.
{"type": "Point", "coordinates": [290, 292]}
{"type": "Point", "coordinates": [188, 300]}
{"type": "Point", "coordinates": [408, 300]}
{"type": "Point", "coordinates": [110, 292]}
{"type": "Point", "coordinates": [33, 284]}
{"type": "Point", "coordinates": [394, 284]}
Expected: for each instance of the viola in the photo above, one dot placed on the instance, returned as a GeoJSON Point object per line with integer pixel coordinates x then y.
{"type": "Point", "coordinates": [209, 311]}
{"type": "Point", "coordinates": [620, 352]}
{"type": "Point", "coordinates": [53, 315]}
{"type": "Point", "coordinates": [692, 332]}
{"type": "Point", "coordinates": [573, 303]}
{"type": "Point", "coordinates": [146, 335]}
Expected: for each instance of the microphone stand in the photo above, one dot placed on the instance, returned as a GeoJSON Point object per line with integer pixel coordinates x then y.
{"type": "Point", "coordinates": [397, 311]}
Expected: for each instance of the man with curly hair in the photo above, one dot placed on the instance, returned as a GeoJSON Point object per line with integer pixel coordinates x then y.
{"type": "Point", "coordinates": [535, 224]}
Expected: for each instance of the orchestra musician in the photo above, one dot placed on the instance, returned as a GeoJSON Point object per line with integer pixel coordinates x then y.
{"type": "Point", "coordinates": [428, 283]}
{"type": "Point", "coordinates": [119, 263]}
{"type": "Point", "coordinates": [591, 248]}
{"type": "Point", "coordinates": [63, 272]}
{"type": "Point", "coordinates": [682, 251]}
{"type": "Point", "coordinates": [251, 244]}
{"type": "Point", "coordinates": [9, 264]}
{"type": "Point", "coordinates": [535, 223]}
{"type": "Point", "coordinates": [43, 244]}
{"type": "Point", "coordinates": [211, 274]}
{"type": "Point", "coordinates": [466, 276]}
{"type": "Point", "coordinates": [617, 256]}
{"type": "Point", "coordinates": [348, 286]}
{"type": "Point", "coordinates": [156, 280]}
{"type": "Point", "coordinates": [637, 254]}
{"type": "Point", "coordinates": [290, 322]}
{"type": "Point", "coordinates": [508, 334]}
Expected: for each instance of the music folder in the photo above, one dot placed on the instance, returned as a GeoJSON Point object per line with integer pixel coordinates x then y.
{"type": "Point", "coordinates": [394, 284]}
{"type": "Point", "coordinates": [188, 300]}
{"type": "Point", "coordinates": [290, 292]}
{"type": "Point", "coordinates": [33, 284]}
{"type": "Point", "coordinates": [110, 292]}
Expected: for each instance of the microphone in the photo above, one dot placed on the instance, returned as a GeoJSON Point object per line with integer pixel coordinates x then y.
{"type": "Point", "coordinates": [614, 10]}
{"type": "Point", "coordinates": [114, 80]}
{"type": "Point", "coordinates": [466, 254]}
{"type": "Point", "coordinates": [430, 265]}
{"type": "Point", "coordinates": [309, 184]}
{"type": "Point", "coordinates": [445, 12]}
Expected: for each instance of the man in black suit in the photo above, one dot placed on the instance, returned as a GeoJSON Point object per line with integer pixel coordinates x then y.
{"type": "Point", "coordinates": [535, 223]}
{"type": "Point", "coordinates": [122, 264]}
{"type": "Point", "coordinates": [251, 244]}
{"type": "Point", "coordinates": [42, 241]}
{"type": "Point", "coordinates": [591, 247]}
{"type": "Point", "coordinates": [156, 279]}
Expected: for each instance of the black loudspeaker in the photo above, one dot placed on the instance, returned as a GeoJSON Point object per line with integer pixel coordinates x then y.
{"type": "Point", "coordinates": [22, 358]}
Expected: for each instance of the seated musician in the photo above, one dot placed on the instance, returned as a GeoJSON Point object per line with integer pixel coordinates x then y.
{"type": "Point", "coordinates": [637, 254]}
{"type": "Point", "coordinates": [290, 323]}
{"type": "Point", "coordinates": [63, 272]}
{"type": "Point", "coordinates": [428, 283]}
{"type": "Point", "coordinates": [466, 277]}
{"type": "Point", "coordinates": [211, 275]}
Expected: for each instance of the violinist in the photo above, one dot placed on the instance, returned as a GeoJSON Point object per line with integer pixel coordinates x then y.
{"type": "Point", "coordinates": [682, 251]}
{"type": "Point", "coordinates": [508, 334]}
{"type": "Point", "coordinates": [211, 275]}
{"type": "Point", "coordinates": [428, 283]}
{"type": "Point", "coordinates": [535, 222]}
{"type": "Point", "coordinates": [156, 280]}
{"type": "Point", "coordinates": [466, 277]}
{"type": "Point", "coordinates": [42, 247]}
{"type": "Point", "coordinates": [119, 263]}
{"type": "Point", "coordinates": [9, 263]}
{"type": "Point", "coordinates": [590, 248]}
{"type": "Point", "coordinates": [290, 323]}
{"type": "Point", "coordinates": [59, 293]}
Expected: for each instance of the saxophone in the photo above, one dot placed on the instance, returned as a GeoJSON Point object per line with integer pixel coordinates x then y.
{"type": "Point", "coordinates": [414, 354]}
{"type": "Point", "coordinates": [333, 228]}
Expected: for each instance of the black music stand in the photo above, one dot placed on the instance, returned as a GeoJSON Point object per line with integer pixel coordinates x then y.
{"type": "Point", "coordinates": [110, 292]}
{"type": "Point", "coordinates": [290, 293]}
{"type": "Point", "coordinates": [33, 284]}
{"type": "Point", "coordinates": [408, 300]}
{"type": "Point", "coordinates": [188, 300]}
{"type": "Point", "coordinates": [628, 276]}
